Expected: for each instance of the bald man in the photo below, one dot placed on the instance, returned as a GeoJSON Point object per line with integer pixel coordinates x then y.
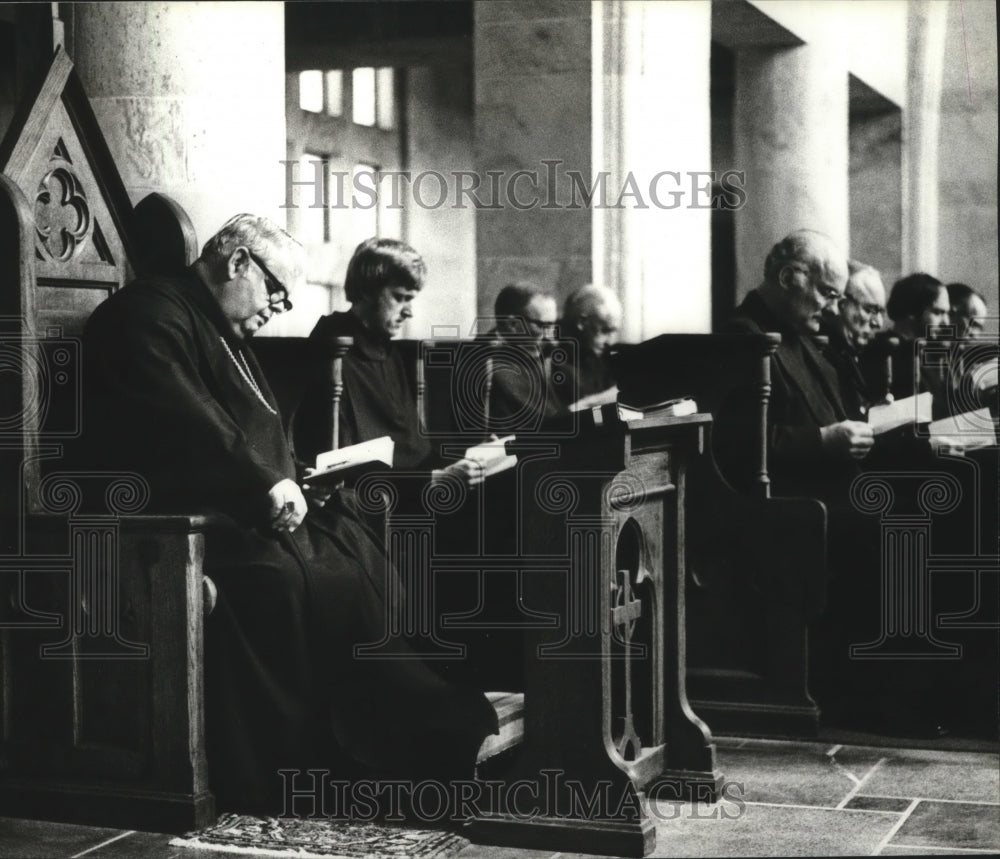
{"type": "Point", "coordinates": [592, 316]}
{"type": "Point", "coordinates": [861, 316]}
{"type": "Point", "coordinates": [813, 447]}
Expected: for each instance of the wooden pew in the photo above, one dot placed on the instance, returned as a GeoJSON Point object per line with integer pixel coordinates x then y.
{"type": "Point", "coordinates": [756, 564]}
{"type": "Point", "coordinates": [603, 699]}
{"type": "Point", "coordinates": [101, 615]}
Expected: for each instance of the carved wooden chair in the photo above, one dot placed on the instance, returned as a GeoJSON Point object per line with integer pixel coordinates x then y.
{"type": "Point", "coordinates": [101, 624]}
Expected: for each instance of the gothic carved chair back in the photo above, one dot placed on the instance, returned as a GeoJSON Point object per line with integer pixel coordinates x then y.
{"type": "Point", "coordinates": [100, 635]}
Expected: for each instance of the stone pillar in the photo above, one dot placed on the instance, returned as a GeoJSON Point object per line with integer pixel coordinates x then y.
{"type": "Point", "coordinates": [191, 98]}
{"type": "Point", "coordinates": [791, 138]}
{"type": "Point", "coordinates": [532, 102]}
{"type": "Point", "coordinates": [608, 104]}
{"type": "Point", "coordinates": [652, 135]}
{"type": "Point", "coordinates": [921, 123]}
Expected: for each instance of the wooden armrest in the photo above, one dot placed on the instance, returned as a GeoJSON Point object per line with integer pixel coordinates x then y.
{"type": "Point", "coordinates": [509, 707]}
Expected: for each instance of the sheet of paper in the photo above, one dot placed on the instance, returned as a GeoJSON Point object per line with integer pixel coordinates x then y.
{"type": "Point", "coordinates": [909, 410]}
{"type": "Point", "coordinates": [969, 430]}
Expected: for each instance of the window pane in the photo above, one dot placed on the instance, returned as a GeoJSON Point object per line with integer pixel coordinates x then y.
{"type": "Point", "coordinates": [312, 229]}
{"type": "Point", "coordinates": [311, 91]}
{"type": "Point", "coordinates": [363, 81]}
{"type": "Point", "coordinates": [335, 93]}
{"type": "Point", "coordinates": [386, 100]}
{"type": "Point", "coordinates": [364, 206]}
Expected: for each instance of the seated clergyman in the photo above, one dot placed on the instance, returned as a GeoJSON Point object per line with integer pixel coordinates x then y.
{"type": "Point", "coordinates": [861, 316]}
{"type": "Point", "coordinates": [523, 397]}
{"type": "Point", "coordinates": [173, 393]}
{"type": "Point", "coordinates": [383, 278]}
{"type": "Point", "coordinates": [592, 316]}
{"type": "Point", "coordinates": [813, 446]}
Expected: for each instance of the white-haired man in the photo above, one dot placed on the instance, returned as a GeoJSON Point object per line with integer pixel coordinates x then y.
{"type": "Point", "coordinates": [813, 446]}
{"type": "Point", "coordinates": [592, 315]}
{"type": "Point", "coordinates": [861, 317]}
{"type": "Point", "coordinates": [173, 393]}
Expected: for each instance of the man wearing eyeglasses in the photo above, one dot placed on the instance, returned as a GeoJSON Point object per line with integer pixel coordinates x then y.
{"type": "Point", "coordinates": [523, 397]}
{"type": "Point", "coordinates": [813, 445]}
{"type": "Point", "coordinates": [173, 393]}
{"type": "Point", "coordinates": [861, 315]}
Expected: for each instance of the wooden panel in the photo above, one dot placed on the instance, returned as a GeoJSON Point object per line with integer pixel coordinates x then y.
{"type": "Point", "coordinates": [102, 671]}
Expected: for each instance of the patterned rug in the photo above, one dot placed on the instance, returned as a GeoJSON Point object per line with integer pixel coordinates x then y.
{"type": "Point", "coordinates": [304, 838]}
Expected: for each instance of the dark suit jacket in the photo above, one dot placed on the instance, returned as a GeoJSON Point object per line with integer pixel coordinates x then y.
{"type": "Point", "coordinates": [804, 397]}
{"type": "Point", "coordinates": [855, 391]}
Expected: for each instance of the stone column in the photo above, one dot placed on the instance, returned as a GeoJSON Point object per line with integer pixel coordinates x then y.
{"type": "Point", "coordinates": [926, 26]}
{"type": "Point", "coordinates": [191, 98]}
{"type": "Point", "coordinates": [791, 138]}
{"type": "Point", "coordinates": [601, 101]}
{"type": "Point", "coordinates": [651, 133]}
{"type": "Point", "coordinates": [532, 70]}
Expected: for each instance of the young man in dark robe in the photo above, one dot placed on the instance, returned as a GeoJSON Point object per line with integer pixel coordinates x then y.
{"type": "Point", "coordinates": [173, 393]}
{"type": "Point", "coordinates": [383, 278]}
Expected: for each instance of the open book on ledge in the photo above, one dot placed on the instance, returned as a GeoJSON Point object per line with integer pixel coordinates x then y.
{"type": "Point", "coordinates": [345, 463]}
{"type": "Point", "coordinates": [618, 412]}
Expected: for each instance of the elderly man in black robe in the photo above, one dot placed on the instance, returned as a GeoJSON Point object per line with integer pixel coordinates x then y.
{"type": "Point", "coordinates": [592, 316]}
{"type": "Point", "coordinates": [173, 393]}
{"type": "Point", "coordinates": [861, 316]}
{"type": "Point", "coordinates": [813, 446]}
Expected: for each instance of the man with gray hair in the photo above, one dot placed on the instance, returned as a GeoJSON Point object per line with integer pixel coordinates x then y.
{"type": "Point", "coordinates": [592, 315]}
{"type": "Point", "coordinates": [813, 447]}
{"type": "Point", "coordinates": [861, 316]}
{"type": "Point", "coordinates": [173, 393]}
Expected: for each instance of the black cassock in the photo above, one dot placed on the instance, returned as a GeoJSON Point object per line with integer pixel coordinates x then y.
{"type": "Point", "coordinates": [172, 394]}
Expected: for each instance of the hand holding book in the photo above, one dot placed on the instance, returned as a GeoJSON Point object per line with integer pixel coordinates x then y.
{"type": "Point", "coordinates": [480, 461]}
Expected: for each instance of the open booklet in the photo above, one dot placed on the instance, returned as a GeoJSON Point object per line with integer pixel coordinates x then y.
{"type": "Point", "coordinates": [493, 456]}
{"type": "Point", "coordinates": [616, 412]}
{"type": "Point", "coordinates": [907, 411]}
{"type": "Point", "coordinates": [353, 460]}
{"type": "Point", "coordinates": [970, 431]}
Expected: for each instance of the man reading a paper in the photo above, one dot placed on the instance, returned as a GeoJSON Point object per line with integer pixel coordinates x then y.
{"type": "Point", "coordinates": [383, 278]}
{"type": "Point", "coordinates": [813, 448]}
{"type": "Point", "coordinates": [173, 393]}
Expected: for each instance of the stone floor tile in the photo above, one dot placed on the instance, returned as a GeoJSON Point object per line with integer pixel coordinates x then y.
{"type": "Point", "coordinates": [767, 830]}
{"type": "Point", "coordinates": [968, 776]}
{"type": "Point", "coordinates": [795, 773]}
{"type": "Point", "coordinates": [879, 803]}
{"type": "Point", "coordinates": [963, 825]}
{"type": "Point", "coordinates": [26, 839]}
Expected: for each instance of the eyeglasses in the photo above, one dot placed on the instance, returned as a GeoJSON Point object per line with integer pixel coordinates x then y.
{"type": "Point", "coordinates": [541, 324]}
{"type": "Point", "coordinates": [276, 291]}
{"type": "Point", "coordinates": [870, 309]}
{"type": "Point", "coordinates": [827, 293]}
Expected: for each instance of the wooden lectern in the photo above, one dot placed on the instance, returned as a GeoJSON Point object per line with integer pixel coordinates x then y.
{"type": "Point", "coordinates": [607, 726]}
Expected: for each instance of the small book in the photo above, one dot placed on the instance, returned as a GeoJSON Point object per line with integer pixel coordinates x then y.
{"type": "Point", "coordinates": [907, 411]}
{"type": "Point", "coordinates": [617, 412]}
{"type": "Point", "coordinates": [493, 456]}
{"type": "Point", "coordinates": [347, 462]}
